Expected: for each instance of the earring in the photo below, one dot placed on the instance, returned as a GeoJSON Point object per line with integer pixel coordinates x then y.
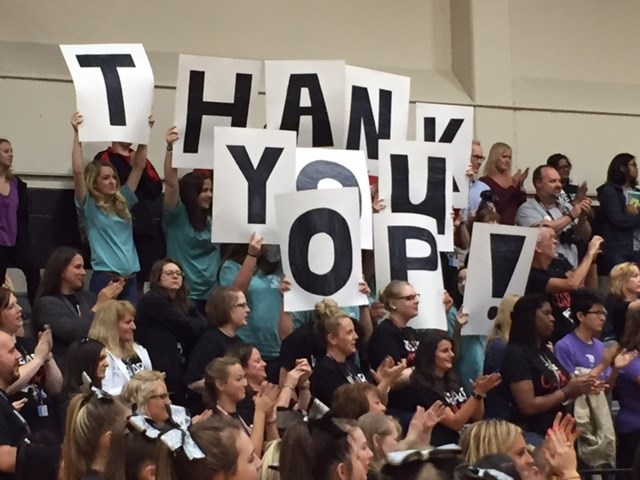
{"type": "Point", "coordinates": [393, 307]}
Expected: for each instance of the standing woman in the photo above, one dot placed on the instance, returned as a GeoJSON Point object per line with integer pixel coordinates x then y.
{"type": "Point", "coordinates": [168, 324]}
{"type": "Point", "coordinates": [619, 221]}
{"type": "Point", "coordinates": [15, 245]}
{"type": "Point", "coordinates": [63, 304]}
{"type": "Point", "coordinates": [507, 187]}
{"type": "Point", "coordinates": [186, 219]}
{"type": "Point", "coordinates": [622, 297]}
{"type": "Point", "coordinates": [40, 377]}
{"type": "Point", "coordinates": [113, 326]}
{"type": "Point", "coordinates": [104, 207]}
{"type": "Point", "coordinates": [435, 380]}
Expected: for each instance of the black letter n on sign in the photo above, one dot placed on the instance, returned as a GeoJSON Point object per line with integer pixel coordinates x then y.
{"type": "Point", "coordinates": [434, 203]}
{"type": "Point", "coordinates": [362, 117]}
{"type": "Point", "coordinates": [321, 130]}
{"type": "Point", "coordinates": [401, 263]}
{"type": "Point", "coordinates": [303, 229]}
{"type": "Point", "coordinates": [198, 108]}
{"type": "Point", "coordinates": [256, 178]}
{"type": "Point", "coordinates": [109, 65]}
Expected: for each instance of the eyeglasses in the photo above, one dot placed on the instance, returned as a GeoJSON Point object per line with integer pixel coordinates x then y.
{"type": "Point", "coordinates": [172, 273]}
{"type": "Point", "coordinates": [162, 396]}
{"type": "Point", "coordinates": [241, 305]}
{"type": "Point", "coordinates": [601, 313]}
{"type": "Point", "coordinates": [478, 157]}
{"type": "Point", "coordinates": [411, 297]}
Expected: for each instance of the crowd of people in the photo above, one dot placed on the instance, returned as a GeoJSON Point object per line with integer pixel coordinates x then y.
{"type": "Point", "coordinates": [205, 375]}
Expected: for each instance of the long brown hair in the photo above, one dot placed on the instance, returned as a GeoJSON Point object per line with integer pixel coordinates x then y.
{"type": "Point", "coordinates": [181, 299]}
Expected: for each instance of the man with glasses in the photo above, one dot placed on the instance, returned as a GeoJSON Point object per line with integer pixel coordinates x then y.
{"type": "Point", "coordinates": [476, 187]}
{"type": "Point", "coordinates": [555, 277]}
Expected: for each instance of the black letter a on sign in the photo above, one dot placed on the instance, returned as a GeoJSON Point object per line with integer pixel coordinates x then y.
{"type": "Point", "coordinates": [321, 130]}
{"type": "Point", "coordinates": [362, 116]}
{"type": "Point", "coordinates": [109, 65]}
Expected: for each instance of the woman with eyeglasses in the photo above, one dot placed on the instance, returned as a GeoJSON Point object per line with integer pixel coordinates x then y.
{"type": "Point", "coordinates": [114, 326]}
{"type": "Point", "coordinates": [227, 312]}
{"type": "Point", "coordinates": [394, 338]}
{"type": "Point", "coordinates": [147, 392]}
{"type": "Point", "coordinates": [563, 165]}
{"type": "Point", "coordinates": [618, 216]}
{"type": "Point", "coordinates": [168, 325]}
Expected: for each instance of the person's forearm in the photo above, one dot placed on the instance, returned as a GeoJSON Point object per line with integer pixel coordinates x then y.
{"type": "Point", "coordinates": [540, 403]}
{"type": "Point", "coordinates": [27, 372]}
{"type": "Point", "coordinates": [257, 435]}
{"type": "Point", "coordinates": [245, 274]}
{"type": "Point", "coordinates": [53, 383]}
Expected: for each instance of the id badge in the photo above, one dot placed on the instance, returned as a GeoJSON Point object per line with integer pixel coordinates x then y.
{"type": "Point", "coordinates": [43, 411]}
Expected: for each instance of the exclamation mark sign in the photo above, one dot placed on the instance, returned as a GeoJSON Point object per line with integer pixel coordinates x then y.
{"type": "Point", "coordinates": [505, 252]}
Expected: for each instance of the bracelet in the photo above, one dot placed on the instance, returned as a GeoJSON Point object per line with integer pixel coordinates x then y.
{"type": "Point", "coordinates": [169, 148]}
{"type": "Point", "coordinates": [289, 386]}
{"type": "Point", "coordinates": [251, 255]}
{"type": "Point", "coordinates": [478, 396]}
{"type": "Point", "coordinates": [570, 215]}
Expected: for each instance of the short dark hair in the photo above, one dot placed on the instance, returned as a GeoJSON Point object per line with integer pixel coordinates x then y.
{"type": "Point", "coordinates": [554, 160]}
{"type": "Point", "coordinates": [583, 300]}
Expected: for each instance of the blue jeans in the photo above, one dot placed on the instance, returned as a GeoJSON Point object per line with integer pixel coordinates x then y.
{"type": "Point", "coordinates": [99, 280]}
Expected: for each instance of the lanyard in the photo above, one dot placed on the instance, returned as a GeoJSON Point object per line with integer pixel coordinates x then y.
{"type": "Point", "coordinates": [246, 427]}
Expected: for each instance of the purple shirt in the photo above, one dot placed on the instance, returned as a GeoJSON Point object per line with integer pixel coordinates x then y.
{"type": "Point", "coordinates": [9, 215]}
{"type": "Point", "coordinates": [573, 352]}
{"type": "Point", "coordinates": [628, 419]}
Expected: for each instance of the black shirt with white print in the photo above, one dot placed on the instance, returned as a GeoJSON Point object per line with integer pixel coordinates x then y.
{"type": "Point", "coordinates": [453, 397]}
{"type": "Point", "coordinates": [330, 374]}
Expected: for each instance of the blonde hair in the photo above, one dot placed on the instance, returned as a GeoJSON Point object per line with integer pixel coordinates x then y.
{"type": "Point", "coordinates": [502, 323]}
{"type": "Point", "coordinates": [382, 425]}
{"type": "Point", "coordinates": [108, 204]}
{"type": "Point", "coordinates": [391, 291]}
{"type": "Point", "coordinates": [619, 276]}
{"type": "Point", "coordinates": [140, 388]}
{"type": "Point", "coordinates": [326, 308]}
{"type": "Point", "coordinates": [271, 456]}
{"type": "Point", "coordinates": [487, 437]}
{"type": "Point", "coordinates": [105, 327]}
{"type": "Point", "coordinates": [88, 418]}
{"type": "Point", "coordinates": [497, 149]}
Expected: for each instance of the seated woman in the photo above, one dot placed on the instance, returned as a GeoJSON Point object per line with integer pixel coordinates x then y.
{"type": "Point", "coordinates": [168, 325]}
{"type": "Point", "coordinates": [91, 418]}
{"type": "Point", "coordinates": [538, 384]}
{"type": "Point", "coordinates": [40, 377]}
{"type": "Point", "coordinates": [113, 326]}
{"type": "Point", "coordinates": [86, 356]}
{"type": "Point", "coordinates": [627, 422]}
{"type": "Point", "coordinates": [394, 338]}
{"type": "Point", "coordinates": [352, 400]}
{"type": "Point", "coordinates": [227, 312]}
{"type": "Point", "coordinates": [63, 304]}
{"type": "Point", "coordinates": [497, 404]}
{"type": "Point", "coordinates": [225, 387]}
{"type": "Point", "coordinates": [226, 452]}
{"type": "Point", "coordinates": [104, 208]}
{"type": "Point", "coordinates": [435, 380]}
{"type": "Point", "coordinates": [296, 381]}
{"type": "Point", "coordinates": [336, 367]}
{"type": "Point", "coordinates": [623, 295]}
{"type": "Point", "coordinates": [322, 449]}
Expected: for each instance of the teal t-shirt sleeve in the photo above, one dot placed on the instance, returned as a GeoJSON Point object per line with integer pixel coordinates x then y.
{"type": "Point", "coordinates": [128, 195]}
{"type": "Point", "coordinates": [301, 318]}
{"type": "Point", "coordinates": [229, 272]}
{"type": "Point", "coordinates": [353, 312]}
{"type": "Point", "coordinates": [451, 320]}
{"type": "Point", "coordinates": [171, 215]}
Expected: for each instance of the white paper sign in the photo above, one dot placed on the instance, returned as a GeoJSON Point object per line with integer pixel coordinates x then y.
{"type": "Point", "coordinates": [377, 106]}
{"type": "Point", "coordinates": [329, 168]}
{"type": "Point", "coordinates": [320, 247]}
{"type": "Point", "coordinates": [307, 97]}
{"type": "Point", "coordinates": [452, 126]}
{"type": "Point", "coordinates": [114, 91]}
{"type": "Point", "coordinates": [499, 265]}
{"type": "Point", "coordinates": [415, 177]}
{"type": "Point", "coordinates": [212, 92]}
{"type": "Point", "coordinates": [251, 166]}
{"type": "Point", "coordinates": [406, 249]}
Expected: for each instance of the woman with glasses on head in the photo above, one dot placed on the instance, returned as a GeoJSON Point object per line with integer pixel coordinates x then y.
{"type": "Point", "coordinates": [618, 217]}
{"type": "Point", "coordinates": [624, 291]}
{"type": "Point", "coordinates": [113, 326]}
{"type": "Point", "coordinates": [168, 325]}
{"type": "Point", "coordinates": [394, 338]}
{"type": "Point", "coordinates": [227, 312]}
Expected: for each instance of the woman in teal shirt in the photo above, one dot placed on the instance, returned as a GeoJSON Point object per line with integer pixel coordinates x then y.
{"type": "Point", "coordinates": [186, 220]}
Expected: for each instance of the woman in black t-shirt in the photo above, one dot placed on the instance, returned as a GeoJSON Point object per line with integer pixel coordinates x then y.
{"type": "Point", "coordinates": [624, 292]}
{"type": "Point", "coordinates": [434, 379]}
{"type": "Point", "coordinates": [40, 377]}
{"type": "Point", "coordinates": [536, 381]}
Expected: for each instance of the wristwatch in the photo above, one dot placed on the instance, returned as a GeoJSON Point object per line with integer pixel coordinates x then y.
{"type": "Point", "coordinates": [478, 396]}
